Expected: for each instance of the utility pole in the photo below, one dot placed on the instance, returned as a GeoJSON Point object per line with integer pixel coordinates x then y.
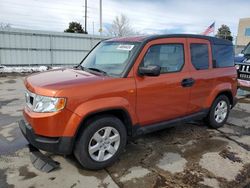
{"type": "Point", "coordinates": [93, 25]}
{"type": "Point", "coordinates": [86, 6]}
{"type": "Point", "coordinates": [100, 30]}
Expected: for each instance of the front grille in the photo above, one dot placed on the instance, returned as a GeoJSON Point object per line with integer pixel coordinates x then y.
{"type": "Point", "coordinates": [244, 76]}
{"type": "Point", "coordinates": [244, 72]}
{"type": "Point", "coordinates": [245, 69]}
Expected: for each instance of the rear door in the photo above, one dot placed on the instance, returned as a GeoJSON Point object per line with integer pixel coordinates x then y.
{"type": "Point", "coordinates": [200, 59]}
{"type": "Point", "coordinates": [162, 97]}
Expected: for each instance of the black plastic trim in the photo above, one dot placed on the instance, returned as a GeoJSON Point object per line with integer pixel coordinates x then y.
{"type": "Point", "coordinates": [132, 60]}
{"type": "Point", "coordinates": [235, 101]}
{"type": "Point", "coordinates": [59, 145]}
{"type": "Point", "coordinates": [128, 124]}
{"type": "Point", "coordinates": [140, 130]}
{"type": "Point", "coordinates": [42, 162]}
{"type": "Point", "coordinates": [213, 40]}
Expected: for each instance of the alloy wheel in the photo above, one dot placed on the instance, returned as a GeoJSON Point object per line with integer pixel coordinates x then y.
{"type": "Point", "coordinates": [221, 111]}
{"type": "Point", "coordinates": [104, 144]}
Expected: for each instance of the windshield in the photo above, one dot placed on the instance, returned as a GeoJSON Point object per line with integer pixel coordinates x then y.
{"type": "Point", "coordinates": [247, 50]}
{"type": "Point", "coordinates": [110, 58]}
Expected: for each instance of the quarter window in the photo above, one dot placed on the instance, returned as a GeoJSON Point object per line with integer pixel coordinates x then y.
{"type": "Point", "coordinates": [199, 56]}
{"type": "Point", "coordinates": [223, 56]}
{"type": "Point", "coordinates": [170, 57]}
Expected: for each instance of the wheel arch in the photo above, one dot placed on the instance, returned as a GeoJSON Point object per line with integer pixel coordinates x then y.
{"type": "Point", "coordinates": [228, 94]}
{"type": "Point", "coordinates": [221, 89]}
{"type": "Point", "coordinates": [120, 113]}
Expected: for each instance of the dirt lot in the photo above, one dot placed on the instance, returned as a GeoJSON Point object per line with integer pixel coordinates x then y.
{"type": "Point", "coordinates": [188, 155]}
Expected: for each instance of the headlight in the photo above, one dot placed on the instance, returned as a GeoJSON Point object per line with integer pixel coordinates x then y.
{"type": "Point", "coordinates": [48, 104]}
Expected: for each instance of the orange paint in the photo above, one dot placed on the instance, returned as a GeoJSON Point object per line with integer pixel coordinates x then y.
{"type": "Point", "coordinates": [146, 99]}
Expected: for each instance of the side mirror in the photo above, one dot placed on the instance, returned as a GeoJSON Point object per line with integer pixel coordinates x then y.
{"type": "Point", "coordinates": [151, 70]}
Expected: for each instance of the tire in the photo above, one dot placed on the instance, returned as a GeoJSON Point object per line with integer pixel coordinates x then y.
{"type": "Point", "coordinates": [93, 136]}
{"type": "Point", "coordinates": [214, 120]}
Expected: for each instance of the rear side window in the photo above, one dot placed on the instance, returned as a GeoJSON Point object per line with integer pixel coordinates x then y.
{"type": "Point", "coordinates": [199, 56]}
{"type": "Point", "coordinates": [223, 56]}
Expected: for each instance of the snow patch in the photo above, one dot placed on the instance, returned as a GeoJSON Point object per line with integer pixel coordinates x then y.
{"type": "Point", "coordinates": [24, 69]}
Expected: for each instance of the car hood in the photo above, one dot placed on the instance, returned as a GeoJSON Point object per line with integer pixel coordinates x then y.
{"type": "Point", "coordinates": [50, 82]}
{"type": "Point", "coordinates": [239, 59]}
{"type": "Point", "coordinates": [242, 59]}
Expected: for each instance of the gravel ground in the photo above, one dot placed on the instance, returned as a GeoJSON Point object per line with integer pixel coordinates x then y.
{"type": "Point", "coordinates": [188, 155]}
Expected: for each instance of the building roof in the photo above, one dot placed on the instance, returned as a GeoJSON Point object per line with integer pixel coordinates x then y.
{"type": "Point", "coordinates": [147, 38]}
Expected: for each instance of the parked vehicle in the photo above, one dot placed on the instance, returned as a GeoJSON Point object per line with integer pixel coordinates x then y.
{"type": "Point", "coordinates": [127, 87]}
{"type": "Point", "coordinates": [242, 62]}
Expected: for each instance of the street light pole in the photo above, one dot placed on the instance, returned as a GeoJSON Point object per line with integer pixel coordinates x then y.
{"type": "Point", "coordinates": [100, 30]}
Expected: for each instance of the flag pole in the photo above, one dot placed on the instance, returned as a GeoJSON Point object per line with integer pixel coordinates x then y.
{"type": "Point", "coordinates": [214, 28]}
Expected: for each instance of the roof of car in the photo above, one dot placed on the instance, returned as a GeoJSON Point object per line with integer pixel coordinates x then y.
{"type": "Point", "coordinates": [129, 39]}
{"type": "Point", "coordinates": [147, 38]}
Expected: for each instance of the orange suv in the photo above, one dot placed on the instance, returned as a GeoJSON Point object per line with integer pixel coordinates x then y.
{"type": "Point", "coordinates": [126, 87]}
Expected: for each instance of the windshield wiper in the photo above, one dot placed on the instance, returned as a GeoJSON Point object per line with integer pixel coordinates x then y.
{"type": "Point", "coordinates": [78, 67]}
{"type": "Point", "coordinates": [97, 70]}
{"type": "Point", "coordinates": [91, 69]}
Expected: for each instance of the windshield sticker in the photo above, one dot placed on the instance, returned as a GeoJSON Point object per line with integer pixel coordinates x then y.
{"type": "Point", "coordinates": [126, 47]}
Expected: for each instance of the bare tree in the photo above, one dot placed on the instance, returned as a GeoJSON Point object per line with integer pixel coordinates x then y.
{"type": "Point", "coordinates": [121, 27]}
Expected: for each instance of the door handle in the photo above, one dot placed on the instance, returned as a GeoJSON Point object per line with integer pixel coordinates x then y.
{"type": "Point", "coordinates": [187, 82]}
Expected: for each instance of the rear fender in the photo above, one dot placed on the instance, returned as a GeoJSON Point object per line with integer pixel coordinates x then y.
{"type": "Point", "coordinates": [216, 91]}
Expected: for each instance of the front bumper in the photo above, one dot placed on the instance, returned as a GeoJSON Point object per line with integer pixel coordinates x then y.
{"type": "Point", "coordinates": [59, 145]}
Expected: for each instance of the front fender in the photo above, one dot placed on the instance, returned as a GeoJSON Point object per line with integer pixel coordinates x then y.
{"type": "Point", "coordinates": [102, 104]}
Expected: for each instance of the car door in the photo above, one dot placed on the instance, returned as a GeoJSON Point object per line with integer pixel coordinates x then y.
{"type": "Point", "coordinates": [163, 97]}
{"type": "Point", "coordinates": [201, 71]}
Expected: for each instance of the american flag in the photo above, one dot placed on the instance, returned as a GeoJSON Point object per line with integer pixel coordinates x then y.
{"type": "Point", "coordinates": [209, 30]}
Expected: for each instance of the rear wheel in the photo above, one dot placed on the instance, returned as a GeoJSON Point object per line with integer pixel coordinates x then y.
{"type": "Point", "coordinates": [101, 142]}
{"type": "Point", "coordinates": [219, 112]}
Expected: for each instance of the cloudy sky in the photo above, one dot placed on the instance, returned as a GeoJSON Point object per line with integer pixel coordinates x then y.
{"type": "Point", "coordinates": [146, 16]}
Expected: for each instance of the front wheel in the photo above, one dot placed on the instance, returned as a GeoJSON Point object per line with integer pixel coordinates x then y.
{"type": "Point", "coordinates": [101, 142]}
{"type": "Point", "coordinates": [219, 112]}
